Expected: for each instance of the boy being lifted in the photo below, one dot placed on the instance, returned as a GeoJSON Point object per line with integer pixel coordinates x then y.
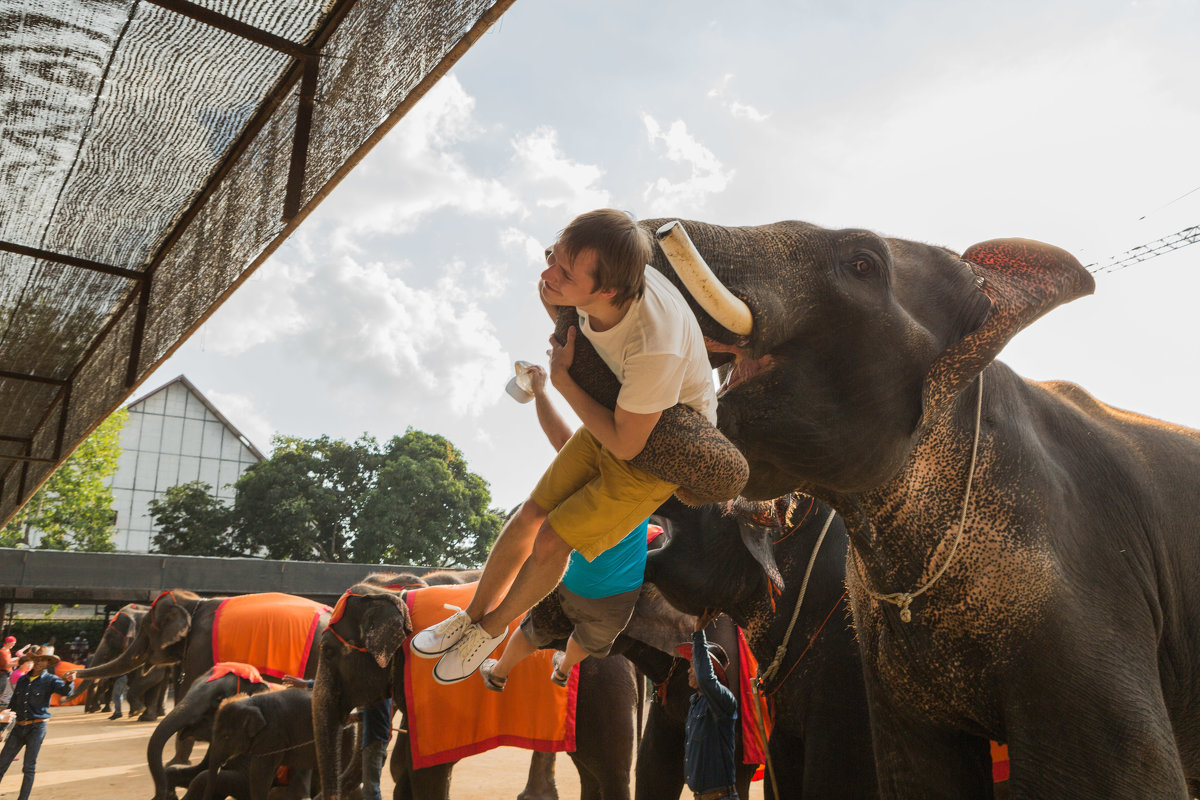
{"type": "Point", "coordinates": [591, 497]}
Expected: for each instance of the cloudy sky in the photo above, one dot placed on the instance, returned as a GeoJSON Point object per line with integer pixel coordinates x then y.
{"type": "Point", "coordinates": [405, 298]}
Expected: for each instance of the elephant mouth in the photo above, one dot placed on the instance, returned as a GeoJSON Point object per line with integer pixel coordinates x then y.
{"type": "Point", "coordinates": [743, 367]}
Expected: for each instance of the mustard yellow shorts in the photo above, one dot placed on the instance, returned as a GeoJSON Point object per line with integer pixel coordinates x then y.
{"type": "Point", "coordinates": [593, 498]}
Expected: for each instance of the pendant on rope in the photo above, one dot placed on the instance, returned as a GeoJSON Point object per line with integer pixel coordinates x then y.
{"type": "Point", "coordinates": [905, 614]}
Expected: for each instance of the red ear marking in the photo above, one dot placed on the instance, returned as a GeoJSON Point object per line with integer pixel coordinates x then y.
{"type": "Point", "coordinates": [1023, 279]}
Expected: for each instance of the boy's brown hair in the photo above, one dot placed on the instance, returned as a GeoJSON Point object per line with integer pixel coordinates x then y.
{"type": "Point", "coordinates": [622, 250]}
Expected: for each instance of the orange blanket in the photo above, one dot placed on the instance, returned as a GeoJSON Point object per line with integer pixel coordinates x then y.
{"type": "Point", "coordinates": [273, 632]}
{"type": "Point", "coordinates": [446, 723]}
{"type": "Point", "coordinates": [60, 669]}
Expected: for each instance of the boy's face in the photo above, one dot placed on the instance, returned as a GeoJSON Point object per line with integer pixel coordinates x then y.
{"type": "Point", "coordinates": [572, 282]}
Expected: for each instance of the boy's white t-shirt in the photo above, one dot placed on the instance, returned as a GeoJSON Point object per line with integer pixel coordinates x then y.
{"type": "Point", "coordinates": [657, 352]}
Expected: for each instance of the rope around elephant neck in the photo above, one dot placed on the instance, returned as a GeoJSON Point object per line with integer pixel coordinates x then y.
{"type": "Point", "coordinates": [770, 671]}
{"type": "Point", "coordinates": [903, 600]}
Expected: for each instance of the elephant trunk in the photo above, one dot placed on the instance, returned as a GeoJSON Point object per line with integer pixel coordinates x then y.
{"type": "Point", "coordinates": [170, 725]}
{"type": "Point", "coordinates": [130, 659]}
{"type": "Point", "coordinates": [327, 724]}
{"type": "Point", "coordinates": [722, 305]}
{"type": "Point", "coordinates": [216, 759]}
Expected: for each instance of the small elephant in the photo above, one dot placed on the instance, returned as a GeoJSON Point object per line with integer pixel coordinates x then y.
{"type": "Point", "coordinates": [192, 718]}
{"type": "Point", "coordinates": [274, 729]}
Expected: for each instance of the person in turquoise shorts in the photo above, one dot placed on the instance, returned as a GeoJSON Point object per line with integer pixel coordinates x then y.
{"type": "Point", "coordinates": [598, 596]}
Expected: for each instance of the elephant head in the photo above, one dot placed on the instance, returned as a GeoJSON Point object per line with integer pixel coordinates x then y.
{"type": "Point", "coordinates": [235, 727]}
{"type": "Point", "coordinates": [358, 665]}
{"type": "Point", "coordinates": [117, 637]}
{"type": "Point", "coordinates": [718, 556]}
{"type": "Point", "coordinates": [849, 345]}
{"type": "Point", "coordinates": [160, 639]}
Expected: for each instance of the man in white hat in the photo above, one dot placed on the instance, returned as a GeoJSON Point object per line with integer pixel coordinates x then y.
{"type": "Point", "coordinates": [31, 704]}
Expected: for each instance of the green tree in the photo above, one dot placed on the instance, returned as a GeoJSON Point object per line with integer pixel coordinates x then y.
{"type": "Point", "coordinates": [190, 521]}
{"type": "Point", "coordinates": [73, 510]}
{"type": "Point", "coordinates": [303, 502]}
{"type": "Point", "coordinates": [426, 507]}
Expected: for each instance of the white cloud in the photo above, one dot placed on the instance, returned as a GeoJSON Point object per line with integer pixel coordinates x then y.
{"type": "Point", "coordinates": [731, 104]}
{"type": "Point", "coordinates": [558, 182]}
{"type": "Point", "coordinates": [707, 175]}
{"type": "Point", "coordinates": [240, 410]}
{"type": "Point", "coordinates": [263, 310]}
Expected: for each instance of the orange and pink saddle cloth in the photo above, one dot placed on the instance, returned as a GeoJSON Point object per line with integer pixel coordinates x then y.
{"type": "Point", "coordinates": [272, 631]}
{"type": "Point", "coordinates": [446, 723]}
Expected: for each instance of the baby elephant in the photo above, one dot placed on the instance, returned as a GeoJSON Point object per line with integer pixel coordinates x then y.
{"type": "Point", "coordinates": [273, 729]}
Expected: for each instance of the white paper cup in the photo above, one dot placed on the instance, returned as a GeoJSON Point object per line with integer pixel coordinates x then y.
{"type": "Point", "coordinates": [516, 392]}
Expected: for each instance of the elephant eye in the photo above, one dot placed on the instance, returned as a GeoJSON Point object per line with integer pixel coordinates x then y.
{"type": "Point", "coordinates": [863, 265]}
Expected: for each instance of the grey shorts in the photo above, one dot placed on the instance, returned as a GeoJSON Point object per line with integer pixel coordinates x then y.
{"type": "Point", "coordinates": [597, 620]}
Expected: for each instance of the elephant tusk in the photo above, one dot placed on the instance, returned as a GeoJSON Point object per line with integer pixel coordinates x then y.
{"type": "Point", "coordinates": [729, 311]}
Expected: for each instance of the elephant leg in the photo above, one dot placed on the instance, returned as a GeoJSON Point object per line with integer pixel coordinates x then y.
{"type": "Point", "coordinates": [604, 725]}
{"type": "Point", "coordinates": [540, 784]}
{"type": "Point", "coordinates": [183, 750]}
{"type": "Point", "coordinates": [589, 786]}
{"type": "Point", "coordinates": [916, 759]}
{"type": "Point", "coordinates": [299, 784]}
{"type": "Point", "coordinates": [787, 767]}
{"type": "Point", "coordinates": [230, 783]}
{"type": "Point", "coordinates": [660, 757]}
{"type": "Point", "coordinates": [429, 783]}
{"type": "Point", "coordinates": [262, 774]}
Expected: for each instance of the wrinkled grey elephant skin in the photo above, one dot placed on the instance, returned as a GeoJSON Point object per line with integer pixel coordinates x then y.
{"type": "Point", "coordinates": [273, 729]}
{"type": "Point", "coordinates": [191, 718]}
{"type": "Point", "coordinates": [1063, 620]}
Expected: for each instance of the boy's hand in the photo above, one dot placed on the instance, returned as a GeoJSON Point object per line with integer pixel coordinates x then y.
{"type": "Point", "coordinates": [704, 619]}
{"type": "Point", "coordinates": [562, 356]}
{"type": "Point", "coordinates": [294, 682]}
{"type": "Point", "coordinates": [537, 380]}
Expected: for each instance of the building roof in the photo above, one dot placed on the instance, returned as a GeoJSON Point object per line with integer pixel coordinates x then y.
{"type": "Point", "coordinates": [191, 387]}
{"type": "Point", "coordinates": [153, 154]}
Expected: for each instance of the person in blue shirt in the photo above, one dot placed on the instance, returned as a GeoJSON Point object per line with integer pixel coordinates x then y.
{"type": "Point", "coordinates": [31, 702]}
{"type": "Point", "coordinates": [711, 727]}
{"type": "Point", "coordinates": [598, 596]}
{"type": "Point", "coordinates": [376, 731]}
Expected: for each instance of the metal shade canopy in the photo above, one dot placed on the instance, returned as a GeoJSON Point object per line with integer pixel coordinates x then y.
{"type": "Point", "coordinates": [152, 154]}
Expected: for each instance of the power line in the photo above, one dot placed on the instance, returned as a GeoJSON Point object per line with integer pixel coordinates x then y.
{"type": "Point", "coordinates": [1144, 252]}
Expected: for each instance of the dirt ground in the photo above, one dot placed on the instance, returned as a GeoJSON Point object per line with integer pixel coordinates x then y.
{"type": "Point", "coordinates": [90, 756]}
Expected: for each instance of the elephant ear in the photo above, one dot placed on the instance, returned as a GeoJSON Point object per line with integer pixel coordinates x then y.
{"type": "Point", "coordinates": [173, 624]}
{"type": "Point", "coordinates": [760, 542]}
{"type": "Point", "coordinates": [683, 449]}
{"type": "Point", "coordinates": [385, 625]}
{"type": "Point", "coordinates": [1023, 279]}
{"type": "Point", "coordinates": [253, 721]}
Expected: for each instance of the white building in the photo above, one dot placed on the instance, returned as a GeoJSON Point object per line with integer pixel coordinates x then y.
{"type": "Point", "coordinates": [174, 435]}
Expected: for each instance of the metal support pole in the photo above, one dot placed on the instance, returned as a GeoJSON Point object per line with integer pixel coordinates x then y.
{"type": "Point", "coordinates": [139, 332]}
{"type": "Point", "coordinates": [62, 421]}
{"type": "Point", "coordinates": [304, 116]}
{"type": "Point", "coordinates": [59, 258]}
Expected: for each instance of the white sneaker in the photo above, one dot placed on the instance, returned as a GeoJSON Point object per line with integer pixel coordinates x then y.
{"type": "Point", "coordinates": [460, 662]}
{"type": "Point", "coordinates": [437, 639]}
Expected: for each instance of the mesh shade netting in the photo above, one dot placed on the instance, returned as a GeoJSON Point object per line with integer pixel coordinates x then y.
{"type": "Point", "coordinates": [139, 138]}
